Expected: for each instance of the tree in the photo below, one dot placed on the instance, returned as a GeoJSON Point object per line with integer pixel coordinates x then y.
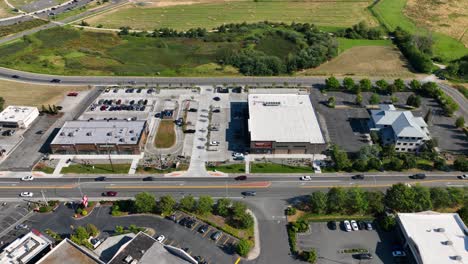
{"type": "Point", "coordinates": [187, 203]}
{"type": "Point", "coordinates": [318, 202]}
{"type": "Point", "coordinates": [400, 198]}
{"type": "Point", "coordinates": [365, 85]}
{"type": "Point", "coordinates": [414, 100]}
{"type": "Point", "coordinates": [399, 84]}
{"type": "Point", "coordinates": [92, 230]}
{"type": "Point", "coordinates": [409, 161]}
{"type": "Point", "coordinates": [387, 223]}
{"type": "Point", "coordinates": [243, 247]}
{"type": "Point", "coordinates": [309, 256]}
{"type": "Point", "coordinates": [375, 202]}
{"type": "Point", "coordinates": [394, 99]}
{"type": "Point", "coordinates": [205, 204]}
{"type": "Point", "coordinates": [374, 164]}
{"type": "Point", "coordinates": [460, 122]}
{"type": "Point", "coordinates": [336, 200]}
{"type": "Point", "coordinates": [369, 151]}
{"type": "Point", "coordinates": [358, 100]}
{"type": "Point", "coordinates": [440, 197]}
{"type": "Point", "coordinates": [374, 99]}
{"type": "Point", "coordinates": [440, 163]}
{"type": "Point", "coordinates": [422, 196]}
{"type": "Point", "coordinates": [382, 85]}
{"type": "Point", "coordinates": [81, 233]}
{"type": "Point", "coordinates": [461, 164]}
{"type": "Point", "coordinates": [348, 83]}
{"type": "Point", "coordinates": [331, 102]}
{"type": "Point", "coordinates": [119, 230]}
{"type": "Point", "coordinates": [238, 208]}
{"type": "Point", "coordinates": [166, 204]}
{"type": "Point", "coordinates": [222, 207]}
{"type": "Point", "coordinates": [145, 202]}
{"type": "Point", "coordinates": [332, 83]}
{"type": "Point", "coordinates": [415, 85]}
{"type": "Point", "coordinates": [463, 213]}
{"type": "Point", "coordinates": [356, 202]}
{"type": "Point", "coordinates": [457, 196]}
{"type": "Point", "coordinates": [360, 165]}
{"type": "Point", "coordinates": [244, 221]}
{"type": "Point", "coordinates": [340, 158]}
{"type": "Point", "coordinates": [395, 164]}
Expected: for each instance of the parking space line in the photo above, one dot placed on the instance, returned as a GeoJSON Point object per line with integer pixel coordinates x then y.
{"type": "Point", "coordinates": [237, 261]}
{"type": "Point", "coordinates": [207, 231]}
{"type": "Point", "coordinates": [225, 241]}
{"type": "Point", "coordinates": [196, 224]}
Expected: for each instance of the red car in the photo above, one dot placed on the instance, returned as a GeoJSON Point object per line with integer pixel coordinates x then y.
{"type": "Point", "coordinates": [72, 94]}
{"type": "Point", "coordinates": [109, 193]}
{"type": "Point", "coordinates": [241, 178]}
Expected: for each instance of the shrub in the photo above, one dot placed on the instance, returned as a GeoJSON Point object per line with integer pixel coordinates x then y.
{"type": "Point", "coordinates": [92, 230]}
{"type": "Point", "coordinates": [79, 210]}
{"type": "Point", "coordinates": [84, 213]}
{"type": "Point", "coordinates": [300, 226]}
{"type": "Point", "coordinates": [291, 211]}
{"type": "Point", "coordinates": [309, 256]}
{"type": "Point", "coordinates": [44, 209]}
{"type": "Point", "coordinates": [387, 223]}
{"type": "Point", "coordinates": [292, 239]}
{"type": "Point", "coordinates": [243, 247]}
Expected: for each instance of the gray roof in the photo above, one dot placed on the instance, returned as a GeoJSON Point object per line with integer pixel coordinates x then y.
{"type": "Point", "coordinates": [70, 253]}
{"type": "Point", "coordinates": [403, 123]}
{"type": "Point", "coordinates": [100, 132]}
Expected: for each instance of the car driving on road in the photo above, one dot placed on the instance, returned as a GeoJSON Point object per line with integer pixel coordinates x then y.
{"type": "Point", "coordinates": [249, 193]}
{"type": "Point", "coordinates": [109, 193]}
{"type": "Point", "coordinates": [26, 194]}
{"type": "Point", "coordinates": [27, 178]}
{"type": "Point", "coordinates": [306, 178]}
{"type": "Point", "coordinates": [418, 176]}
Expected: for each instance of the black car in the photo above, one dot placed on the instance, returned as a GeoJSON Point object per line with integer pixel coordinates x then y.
{"type": "Point", "coordinates": [190, 223]}
{"type": "Point", "coordinates": [102, 178]}
{"type": "Point", "coordinates": [172, 218]}
{"type": "Point", "coordinates": [157, 115]}
{"type": "Point", "coordinates": [249, 193]}
{"type": "Point", "coordinates": [362, 225]}
{"type": "Point", "coordinates": [15, 76]}
{"type": "Point", "coordinates": [203, 229]}
{"type": "Point", "coordinates": [55, 81]}
{"type": "Point", "coordinates": [148, 179]}
{"type": "Point", "coordinates": [183, 221]}
{"type": "Point", "coordinates": [331, 225]}
{"type": "Point", "coordinates": [216, 98]}
{"type": "Point", "coordinates": [418, 176]}
{"type": "Point", "coordinates": [241, 178]}
{"type": "Point", "coordinates": [363, 256]}
{"type": "Point", "coordinates": [358, 177]}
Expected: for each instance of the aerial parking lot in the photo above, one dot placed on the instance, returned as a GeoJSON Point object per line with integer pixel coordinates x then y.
{"type": "Point", "coordinates": [332, 244]}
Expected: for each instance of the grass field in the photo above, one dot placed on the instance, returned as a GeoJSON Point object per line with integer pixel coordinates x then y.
{"type": "Point", "coordinates": [231, 168]}
{"type": "Point", "coordinates": [98, 169]}
{"type": "Point", "coordinates": [165, 136]}
{"type": "Point", "coordinates": [67, 51]}
{"type": "Point", "coordinates": [361, 60]}
{"type": "Point", "coordinates": [17, 93]}
{"type": "Point", "coordinates": [391, 14]}
{"type": "Point", "coordinates": [5, 10]}
{"type": "Point", "coordinates": [15, 28]}
{"type": "Point", "coordinates": [208, 15]}
{"type": "Point", "coordinates": [277, 168]}
{"type": "Point", "coordinates": [345, 44]}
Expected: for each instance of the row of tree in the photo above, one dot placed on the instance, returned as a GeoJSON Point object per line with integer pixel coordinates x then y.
{"type": "Point", "coordinates": [361, 31]}
{"type": "Point", "coordinates": [398, 198]}
{"type": "Point", "coordinates": [417, 49]}
{"type": "Point", "coordinates": [458, 69]}
{"type": "Point", "coordinates": [364, 85]}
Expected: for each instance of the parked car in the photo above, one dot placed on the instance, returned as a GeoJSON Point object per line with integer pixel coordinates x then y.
{"type": "Point", "coordinates": [72, 94]}
{"type": "Point", "coordinates": [354, 225]}
{"type": "Point", "coordinates": [216, 235]}
{"type": "Point", "coordinates": [214, 143]}
{"type": "Point", "coordinates": [249, 193]}
{"type": "Point", "coordinates": [331, 225]}
{"type": "Point", "coordinates": [15, 76]}
{"type": "Point", "coordinates": [363, 256]}
{"type": "Point", "coordinates": [160, 238]}
{"type": "Point", "coordinates": [369, 226]}
{"type": "Point", "coordinates": [190, 223]}
{"type": "Point", "coordinates": [237, 154]}
{"type": "Point", "coordinates": [109, 193]}
{"type": "Point", "coordinates": [216, 98]}
{"type": "Point", "coordinates": [102, 178]}
{"type": "Point", "coordinates": [21, 226]}
{"type": "Point", "coordinates": [347, 226]}
{"type": "Point", "coordinates": [183, 221]}
{"type": "Point", "coordinates": [358, 177]}
{"type": "Point", "coordinates": [203, 229]}
{"type": "Point", "coordinates": [361, 225]}
{"type": "Point", "coordinates": [306, 178]}
{"type": "Point", "coordinates": [172, 217]}
{"type": "Point", "coordinates": [27, 178]}
{"type": "Point", "coordinates": [418, 176]}
{"type": "Point", "coordinates": [241, 178]}
{"type": "Point", "coordinates": [26, 194]}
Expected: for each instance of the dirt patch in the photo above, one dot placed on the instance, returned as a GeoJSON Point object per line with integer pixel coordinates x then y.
{"type": "Point", "coordinates": [381, 61]}
{"type": "Point", "coordinates": [446, 16]}
{"type": "Point", "coordinates": [154, 3]}
{"type": "Point", "coordinates": [16, 93]}
{"type": "Point", "coordinates": [165, 137]}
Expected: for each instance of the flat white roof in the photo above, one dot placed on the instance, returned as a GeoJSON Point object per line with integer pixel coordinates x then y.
{"type": "Point", "coordinates": [25, 248]}
{"type": "Point", "coordinates": [424, 229]}
{"type": "Point", "coordinates": [283, 118]}
{"type": "Point", "coordinates": [16, 113]}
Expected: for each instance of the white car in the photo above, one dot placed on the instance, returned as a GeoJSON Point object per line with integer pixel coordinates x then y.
{"type": "Point", "coordinates": [214, 143]}
{"type": "Point", "coordinates": [347, 226]}
{"type": "Point", "coordinates": [26, 194]}
{"type": "Point", "coordinates": [463, 177]}
{"type": "Point", "coordinates": [237, 154]}
{"type": "Point", "coordinates": [306, 178]}
{"type": "Point", "coordinates": [27, 178]}
{"type": "Point", "coordinates": [354, 225]}
{"type": "Point", "coordinates": [160, 238]}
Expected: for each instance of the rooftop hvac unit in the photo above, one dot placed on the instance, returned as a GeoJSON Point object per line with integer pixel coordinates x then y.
{"type": "Point", "coordinates": [131, 131]}
{"type": "Point", "coordinates": [122, 140]}
{"type": "Point", "coordinates": [457, 257]}
{"type": "Point", "coordinates": [128, 259]}
{"type": "Point", "coordinates": [447, 243]}
{"type": "Point", "coordinates": [271, 103]}
{"type": "Point", "coordinates": [89, 134]}
{"type": "Point", "coordinates": [62, 134]}
{"type": "Point", "coordinates": [109, 133]}
{"type": "Point", "coordinates": [133, 139]}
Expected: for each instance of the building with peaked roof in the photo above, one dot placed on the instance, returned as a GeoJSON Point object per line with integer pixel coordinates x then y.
{"type": "Point", "coordinates": [25, 249]}
{"type": "Point", "coordinates": [434, 238]}
{"type": "Point", "coordinates": [284, 124]}
{"type": "Point", "coordinates": [70, 253]}
{"type": "Point", "coordinates": [407, 132]}
{"type": "Point", "coordinates": [100, 137]}
{"type": "Point", "coordinates": [18, 116]}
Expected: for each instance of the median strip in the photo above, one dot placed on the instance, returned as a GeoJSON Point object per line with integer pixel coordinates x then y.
{"type": "Point", "coordinates": [258, 185]}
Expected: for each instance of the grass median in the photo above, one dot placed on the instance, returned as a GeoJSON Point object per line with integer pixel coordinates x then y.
{"type": "Point", "coordinates": [96, 169]}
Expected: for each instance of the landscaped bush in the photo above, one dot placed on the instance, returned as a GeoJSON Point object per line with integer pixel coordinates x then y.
{"type": "Point", "coordinates": [309, 256]}
{"type": "Point", "coordinates": [243, 247]}
{"type": "Point", "coordinates": [291, 211]}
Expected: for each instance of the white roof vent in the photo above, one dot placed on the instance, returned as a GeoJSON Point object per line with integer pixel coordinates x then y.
{"type": "Point", "coordinates": [440, 230]}
{"type": "Point", "coordinates": [447, 243]}
{"type": "Point", "coordinates": [128, 259]}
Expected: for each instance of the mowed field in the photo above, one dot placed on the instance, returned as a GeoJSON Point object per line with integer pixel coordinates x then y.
{"type": "Point", "coordinates": [165, 136]}
{"type": "Point", "coordinates": [5, 10]}
{"type": "Point", "coordinates": [391, 13]}
{"type": "Point", "coordinates": [17, 93]}
{"type": "Point", "coordinates": [214, 13]}
{"type": "Point", "coordinates": [383, 61]}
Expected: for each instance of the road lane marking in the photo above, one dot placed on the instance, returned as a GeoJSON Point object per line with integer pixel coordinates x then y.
{"type": "Point", "coordinates": [375, 185]}
{"type": "Point", "coordinates": [40, 187]}
{"type": "Point", "coordinates": [264, 186]}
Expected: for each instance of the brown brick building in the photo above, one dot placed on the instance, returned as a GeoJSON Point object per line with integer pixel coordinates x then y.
{"type": "Point", "coordinates": [100, 137]}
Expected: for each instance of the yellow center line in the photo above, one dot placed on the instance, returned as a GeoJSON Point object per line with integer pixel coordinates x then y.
{"type": "Point", "coordinates": [237, 261]}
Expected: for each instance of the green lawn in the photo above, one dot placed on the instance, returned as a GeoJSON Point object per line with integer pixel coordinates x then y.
{"type": "Point", "coordinates": [98, 169]}
{"type": "Point", "coordinates": [183, 17]}
{"type": "Point", "coordinates": [277, 168]}
{"type": "Point", "coordinates": [345, 43]}
{"type": "Point", "coordinates": [165, 137]}
{"type": "Point", "coordinates": [232, 168]}
{"type": "Point", "coordinates": [333, 217]}
{"type": "Point", "coordinates": [390, 14]}
{"type": "Point", "coordinates": [15, 28]}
